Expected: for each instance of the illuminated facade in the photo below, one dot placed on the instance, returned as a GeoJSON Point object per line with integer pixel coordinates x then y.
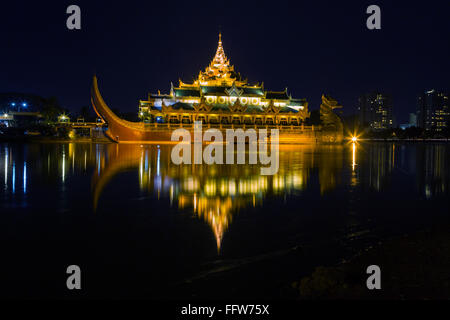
{"type": "Point", "coordinates": [221, 96]}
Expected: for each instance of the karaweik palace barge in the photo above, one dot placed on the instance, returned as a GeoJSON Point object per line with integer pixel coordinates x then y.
{"type": "Point", "coordinates": [220, 98]}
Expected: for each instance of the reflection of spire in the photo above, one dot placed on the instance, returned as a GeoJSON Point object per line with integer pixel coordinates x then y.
{"type": "Point", "coordinates": [217, 213]}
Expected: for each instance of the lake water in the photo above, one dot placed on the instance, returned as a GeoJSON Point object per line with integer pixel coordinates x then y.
{"type": "Point", "coordinates": [140, 226]}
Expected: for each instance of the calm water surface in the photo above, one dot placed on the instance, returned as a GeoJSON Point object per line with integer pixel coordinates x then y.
{"type": "Point", "coordinates": [140, 226]}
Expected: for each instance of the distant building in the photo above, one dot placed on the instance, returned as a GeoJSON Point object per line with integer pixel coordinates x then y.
{"type": "Point", "coordinates": [375, 111]}
{"type": "Point", "coordinates": [412, 120]}
{"type": "Point", "coordinates": [433, 112]}
{"type": "Point", "coordinates": [17, 109]}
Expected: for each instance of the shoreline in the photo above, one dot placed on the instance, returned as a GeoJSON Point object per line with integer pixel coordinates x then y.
{"type": "Point", "coordinates": [42, 139]}
{"type": "Point", "coordinates": [413, 266]}
{"type": "Point", "coordinates": [405, 140]}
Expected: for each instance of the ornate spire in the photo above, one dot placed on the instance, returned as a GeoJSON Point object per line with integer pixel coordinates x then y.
{"type": "Point", "coordinates": [219, 69]}
{"type": "Point", "coordinates": [220, 59]}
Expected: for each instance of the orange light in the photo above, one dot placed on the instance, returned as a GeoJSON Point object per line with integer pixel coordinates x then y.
{"type": "Point", "coordinates": [354, 139]}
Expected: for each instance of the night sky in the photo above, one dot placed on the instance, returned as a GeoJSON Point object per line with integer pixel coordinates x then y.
{"type": "Point", "coordinates": [311, 47]}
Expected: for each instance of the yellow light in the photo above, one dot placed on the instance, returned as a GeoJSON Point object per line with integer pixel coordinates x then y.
{"type": "Point", "coordinates": [354, 139]}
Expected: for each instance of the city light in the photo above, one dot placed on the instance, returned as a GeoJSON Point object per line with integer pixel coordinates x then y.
{"type": "Point", "coordinates": [13, 104]}
{"type": "Point", "coordinates": [354, 139]}
{"type": "Point", "coordinates": [24, 105]}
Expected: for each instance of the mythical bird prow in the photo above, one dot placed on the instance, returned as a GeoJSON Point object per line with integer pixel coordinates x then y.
{"type": "Point", "coordinates": [120, 130]}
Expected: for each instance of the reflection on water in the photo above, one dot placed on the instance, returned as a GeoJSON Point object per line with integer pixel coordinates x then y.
{"type": "Point", "coordinates": [216, 193]}
{"type": "Point", "coordinates": [213, 193]}
{"type": "Point", "coordinates": [125, 212]}
{"type": "Point", "coordinates": [434, 178]}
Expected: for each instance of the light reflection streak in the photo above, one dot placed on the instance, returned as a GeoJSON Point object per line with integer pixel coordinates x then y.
{"type": "Point", "coordinates": [6, 168]}
{"type": "Point", "coordinates": [146, 161]}
{"type": "Point", "coordinates": [14, 178]}
{"type": "Point", "coordinates": [158, 162]}
{"type": "Point", "coordinates": [97, 151]}
{"type": "Point", "coordinates": [354, 156]}
{"type": "Point", "coordinates": [63, 174]}
{"type": "Point", "coordinates": [24, 177]}
{"type": "Point", "coordinates": [141, 169]}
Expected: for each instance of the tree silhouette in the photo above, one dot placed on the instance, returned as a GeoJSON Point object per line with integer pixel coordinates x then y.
{"type": "Point", "coordinates": [51, 109]}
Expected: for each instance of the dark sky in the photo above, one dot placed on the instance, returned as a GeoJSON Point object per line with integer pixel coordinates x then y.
{"type": "Point", "coordinates": [311, 47]}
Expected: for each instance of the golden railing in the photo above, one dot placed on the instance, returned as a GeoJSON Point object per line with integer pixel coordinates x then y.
{"type": "Point", "coordinates": [205, 126]}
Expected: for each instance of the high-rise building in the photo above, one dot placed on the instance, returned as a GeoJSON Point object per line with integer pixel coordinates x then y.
{"type": "Point", "coordinates": [412, 120]}
{"type": "Point", "coordinates": [375, 111]}
{"type": "Point", "coordinates": [433, 111]}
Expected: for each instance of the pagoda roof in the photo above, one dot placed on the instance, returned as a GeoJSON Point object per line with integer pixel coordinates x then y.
{"type": "Point", "coordinates": [191, 92]}
{"type": "Point", "coordinates": [256, 91]}
{"type": "Point", "coordinates": [253, 90]}
{"type": "Point", "coordinates": [298, 100]}
{"type": "Point", "coordinates": [182, 106]}
{"type": "Point", "coordinates": [278, 95]}
{"type": "Point", "coordinates": [214, 89]}
{"type": "Point", "coordinates": [287, 110]}
{"type": "Point", "coordinates": [160, 96]}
